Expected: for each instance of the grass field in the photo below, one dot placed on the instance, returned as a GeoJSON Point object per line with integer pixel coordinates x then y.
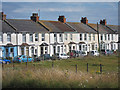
{"type": "Point", "coordinates": [63, 73]}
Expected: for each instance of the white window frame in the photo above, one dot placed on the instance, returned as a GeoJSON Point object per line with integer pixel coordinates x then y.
{"type": "Point", "coordinates": [55, 37]}
{"type": "Point", "coordinates": [8, 37]}
{"type": "Point", "coordinates": [36, 37]}
{"type": "Point", "coordinates": [89, 37]}
{"type": "Point", "coordinates": [31, 37]}
{"type": "Point", "coordinates": [60, 37]}
{"type": "Point", "coordinates": [65, 36]}
{"type": "Point", "coordinates": [80, 36]}
{"type": "Point", "coordinates": [85, 36]}
{"type": "Point", "coordinates": [93, 36]}
{"type": "Point", "coordinates": [43, 37]}
{"type": "Point", "coordinates": [71, 36]}
{"type": "Point", "coordinates": [23, 37]}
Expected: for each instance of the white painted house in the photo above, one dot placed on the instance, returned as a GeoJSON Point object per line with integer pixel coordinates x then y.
{"type": "Point", "coordinates": [35, 37]}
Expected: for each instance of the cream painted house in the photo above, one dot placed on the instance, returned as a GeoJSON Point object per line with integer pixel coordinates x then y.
{"type": "Point", "coordinates": [35, 37]}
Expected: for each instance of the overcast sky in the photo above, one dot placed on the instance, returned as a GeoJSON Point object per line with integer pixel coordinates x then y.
{"type": "Point", "coordinates": [73, 11]}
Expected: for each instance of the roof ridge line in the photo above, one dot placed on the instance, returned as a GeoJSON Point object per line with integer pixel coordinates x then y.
{"type": "Point", "coordinates": [39, 22]}
{"type": "Point", "coordinates": [110, 28]}
{"type": "Point", "coordinates": [91, 27]}
{"type": "Point", "coordinates": [10, 25]}
{"type": "Point", "coordinates": [71, 27]}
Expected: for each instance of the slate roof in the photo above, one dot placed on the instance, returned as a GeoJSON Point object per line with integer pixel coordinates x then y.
{"type": "Point", "coordinates": [102, 28]}
{"type": "Point", "coordinates": [6, 27]}
{"type": "Point", "coordinates": [27, 25]}
{"type": "Point", "coordinates": [81, 28]}
{"type": "Point", "coordinates": [57, 26]}
{"type": "Point", "coordinates": [113, 27]}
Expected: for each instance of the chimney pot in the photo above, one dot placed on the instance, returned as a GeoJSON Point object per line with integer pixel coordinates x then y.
{"type": "Point", "coordinates": [62, 19]}
{"type": "Point", "coordinates": [103, 22]}
{"type": "Point", "coordinates": [35, 17]}
{"type": "Point", "coordinates": [3, 16]}
{"type": "Point", "coordinates": [84, 20]}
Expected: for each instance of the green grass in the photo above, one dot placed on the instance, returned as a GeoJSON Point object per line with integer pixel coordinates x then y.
{"type": "Point", "coordinates": [63, 74]}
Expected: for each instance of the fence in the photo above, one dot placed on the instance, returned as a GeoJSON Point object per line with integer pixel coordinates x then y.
{"type": "Point", "coordinates": [52, 65]}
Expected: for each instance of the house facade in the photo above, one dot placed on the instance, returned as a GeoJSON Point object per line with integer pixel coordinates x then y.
{"type": "Point", "coordinates": [35, 37]}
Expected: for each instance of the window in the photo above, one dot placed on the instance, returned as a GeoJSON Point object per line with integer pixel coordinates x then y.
{"type": "Point", "coordinates": [80, 36]}
{"type": "Point", "coordinates": [101, 37]}
{"type": "Point", "coordinates": [85, 36]}
{"type": "Point", "coordinates": [36, 37]}
{"type": "Point", "coordinates": [80, 47]}
{"type": "Point", "coordinates": [108, 37]}
{"type": "Point", "coordinates": [105, 37]}
{"type": "Point", "coordinates": [55, 37]}
{"type": "Point", "coordinates": [24, 38]}
{"type": "Point", "coordinates": [43, 37]}
{"type": "Point", "coordinates": [90, 37]}
{"type": "Point", "coordinates": [35, 51]}
{"type": "Point", "coordinates": [1, 37]}
{"type": "Point", "coordinates": [8, 37]}
{"type": "Point", "coordinates": [31, 37]}
{"type": "Point", "coordinates": [93, 36]}
{"type": "Point", "coordinates": [112, 37]}
{"type": "Point", "coordinates": [58, 49]}
{"type": "Point", "coordinates": [65, 36]}
{"type": "Point", "coordinates": [70, 36]}
{"type": "Point", "coordinates": [46, 49]}
{"type": "Point", "coordinates": [60, 38]}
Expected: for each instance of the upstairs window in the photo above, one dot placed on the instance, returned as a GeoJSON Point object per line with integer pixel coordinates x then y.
{"type": "Point", "coordinates": [1, 37]}
{"type": "Point", "coordinates": [105, 36]}
{"type": "Point", "coordinates": [101, 37]}
{"type": "Point", "coordinates": [85, 36]}
{"type": "Point", "coordinates": [108, 36]}
{"type": "Point", "coordinates": [24, 37]}
{"type": "Point", "coordinates": [80, 36]}
{"type": "Point", "coordinates": [61, 38]}
{"type": "Point", "coordinates": [43, 37]}
{"type": "Point", "coordinates": [31, 37]}
{"type": "Point", "coordinates": [65, 36]}
{"type": "Point", "coordinates": [55, 37]}
{"type": "Point", "coordinates": [36, 37]}
{"type": "Point", "coordinates": [93, 36]}
{"type": "Point", "coordinates": [8, 37]}
{"type": "Point", "coordinates": [70, 36]}
{"type": "Point", "coordinates": [89, 37]}
{"type": "Point", "coordinates": [112, 37]}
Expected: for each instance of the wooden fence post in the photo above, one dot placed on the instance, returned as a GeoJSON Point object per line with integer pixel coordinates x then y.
{"type": "Point", "coordinates": [87, 67]}
{"type": "Point", "coordinates": [100, 68]}
{"type": "Point", "coordinates": [76, 68]}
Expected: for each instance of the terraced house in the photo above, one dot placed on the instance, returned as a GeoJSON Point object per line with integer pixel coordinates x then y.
{"type": "Point", "coordinates": [37, 37]}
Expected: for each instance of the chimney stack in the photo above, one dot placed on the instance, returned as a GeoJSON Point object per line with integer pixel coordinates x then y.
{"type": "Point", "coordinates": [35, 17]}
{"type": "Point", "coordinates": [62, 19]}
{"type": "Point", "coordinates": [3, 16]}
{"type": "Point", "coordinates": [103, 22]}
{"type": "Point", "coordinates": [84, 20]}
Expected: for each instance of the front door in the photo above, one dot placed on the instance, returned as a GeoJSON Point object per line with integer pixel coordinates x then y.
{"type": "Point", "coordinates": [12, 52]}
{"type": "Point", "coordinates": [27, 51]}
{"type": "Point", "coordinates": [54, 49]}
{"type": "Point", "coordinates": [6, 52]}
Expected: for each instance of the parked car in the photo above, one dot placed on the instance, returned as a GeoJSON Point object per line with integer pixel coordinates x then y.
{"type": "Point", "coordinates": [5, 61]}
{"type": "Point", "coordinates": [107, 52]}
{"type": "Point", "coordinates": [45, 57]}
{"type": "Point", "coordinates": [62, 56]}
{"type": "Point", "coordinates": [94, 53]}
{"type": "Point", "coordinates": [84, 53]}
{"type": "Point", "coordinates": [22, 58]}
